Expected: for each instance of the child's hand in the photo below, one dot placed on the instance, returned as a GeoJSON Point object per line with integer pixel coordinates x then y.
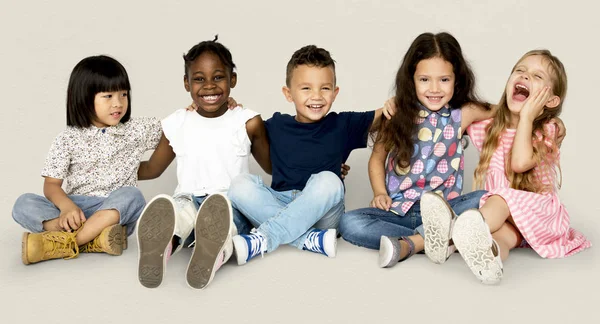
{"type": "Point", "coordinates": [389, 108]}
{"type": "Point", "coordinates": [535, 105]}
{"type": "Point", "coordinates": [192, 107]}
{"type": "Point", "coordinates": [71, 219]}
{"type": "Point", "coordinates": [562, 130]}
{"type": "Point", "coordinates": [383, 202]}
{"type": "Point", "coordinates": [231, 103]}
{"type": "Point", "coordinates": [345, 169]}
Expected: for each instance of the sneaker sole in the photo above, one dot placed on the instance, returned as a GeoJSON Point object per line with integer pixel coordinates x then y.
{"type": "Point", "coordinates": [240, 249]}
{"type": "Point", "coordinates": [155, 230]}
{"type": "Point", "coordinates": [24, 249]}
{"type": "Point", "coordinates": [212, 230]}
{"type": "Point", "coordinates": [473, 240]}
{"type": "Point", "coordinates": [386, 252]}
{"type": "Point", "coordinates": [437, 218]}
{"type": "Point", "coordinates": [331, 235]}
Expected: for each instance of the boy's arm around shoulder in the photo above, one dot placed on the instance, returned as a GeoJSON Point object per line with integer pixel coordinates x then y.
{"type": "Point", "coordinates": [255, 127]}
{"type": "Point", "coordinates": [162, 156]}
{"type": "Point", "coordinates": [376, 119]}
{"type": "Point", "coordinates": [388, 110]}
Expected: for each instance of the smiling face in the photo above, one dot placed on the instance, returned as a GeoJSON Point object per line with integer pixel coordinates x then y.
{"type": "Point", "coordinates": [209, 83]}
{"type": "Point", "coordinates": [312, 90]}
{"type": "Point", "coordinates": [434, 82]}
{"type": "Point", "coordinates": [529, 76]}
{"type": "Point", "coordinates": [110, 107]}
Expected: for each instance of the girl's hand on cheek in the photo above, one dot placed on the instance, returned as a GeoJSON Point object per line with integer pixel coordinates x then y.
{"type": "Point", "coordinates": [535, 105]}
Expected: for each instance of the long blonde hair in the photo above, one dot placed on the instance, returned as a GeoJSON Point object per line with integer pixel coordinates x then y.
{"type": "Point", "coordinates": [546, 157]}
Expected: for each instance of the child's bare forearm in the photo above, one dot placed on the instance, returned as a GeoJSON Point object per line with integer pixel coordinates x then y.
{"type": "Point", "coordinates": [377, 170]}
{"type": "Point", "coordinates": [376, 119]}
{"type": "Point", "coordinates": [161, 158]}
{"type": "Point", "coordinates": [522, 158]}
{"type": "Point", "coordinates": [54, 192]}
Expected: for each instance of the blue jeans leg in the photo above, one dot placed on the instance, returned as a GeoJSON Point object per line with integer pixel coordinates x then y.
{"type": "Point", "coordinates": [285, 217]}
{"type": "Point", "coordinates": [254, 200]}
{"type": "Point", "coordinates": [364, 227]}
{"type": "Point", "coordinates": [31, 210]}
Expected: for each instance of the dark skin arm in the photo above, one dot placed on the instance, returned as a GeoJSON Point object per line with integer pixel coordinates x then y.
{"type": "Point", "coordinates": [257, 133]}
{"type": "Point", "coordinates": [162, 156]}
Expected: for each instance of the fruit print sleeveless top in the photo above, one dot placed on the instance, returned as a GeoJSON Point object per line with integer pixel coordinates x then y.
{"type": "Point", "coordinates": [437, 162]}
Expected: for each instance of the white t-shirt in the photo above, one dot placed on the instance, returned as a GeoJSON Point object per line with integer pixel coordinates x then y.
{"type": "Point", "coordinates": [210, 152]}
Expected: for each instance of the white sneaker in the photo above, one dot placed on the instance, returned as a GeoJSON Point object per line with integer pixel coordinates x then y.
{"type": "Point", "coordinates": [212, 232]}
{"type": "Point", "coordinates": [438, 220]}
{"type": "Point", "coordinates": [155, 230]}
{"type": "Point", "coordinates": [475, 244]}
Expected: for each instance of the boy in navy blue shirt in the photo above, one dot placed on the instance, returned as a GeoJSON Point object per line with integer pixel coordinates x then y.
{"type": "Point", "coordinates": [305, 201]}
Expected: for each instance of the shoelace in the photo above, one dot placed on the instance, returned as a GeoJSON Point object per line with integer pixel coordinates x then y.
{"type": "Point", "coordinates": [256, 245]}
{"type": "Point", "coordinates": [66, 241]}
{"type": "Point", "coordinates": [313, 241]}
{"type": "Point", "coordinates": [91, 246]}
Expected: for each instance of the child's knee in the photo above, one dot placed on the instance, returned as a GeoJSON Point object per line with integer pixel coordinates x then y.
{"type": "Point", "coordinates": [24, 202]}
{"type": "Point", "coordinates": [132, 195]}
{"type": "Point", "coordinates": [242, 185]}
{"type": "Point", "coordinates": [329, 183]}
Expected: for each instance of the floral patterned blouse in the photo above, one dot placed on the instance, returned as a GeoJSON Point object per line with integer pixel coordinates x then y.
{"type": "Point", "coordinates": [96, 161]}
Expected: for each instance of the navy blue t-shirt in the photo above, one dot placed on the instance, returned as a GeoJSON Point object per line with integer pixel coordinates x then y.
{"type": "Point", "coordinates": [299, 150]}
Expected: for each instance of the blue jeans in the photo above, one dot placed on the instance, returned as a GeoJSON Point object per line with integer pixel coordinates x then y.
{"type": "Point", "coordinates": [364, 227]}
{"type": "Point", "coordinates": [285, 217]}
{"type": "Point", "coordinates": [31, 210]}
{"type": "Point", "coordinates": [241, 223]}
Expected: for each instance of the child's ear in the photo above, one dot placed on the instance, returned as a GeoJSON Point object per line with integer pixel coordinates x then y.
{"type": "Point", "coordinates": [233, 80]}
{"type": "Point", "coordinates": [553, 102]}
{"type": "Point", "coordinates": [287, 93]}
{"type": "Point", "coordinates": [186, 83]}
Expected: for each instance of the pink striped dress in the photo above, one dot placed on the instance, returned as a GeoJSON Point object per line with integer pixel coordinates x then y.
{"type": "Point", "coordinates": [540, 217]}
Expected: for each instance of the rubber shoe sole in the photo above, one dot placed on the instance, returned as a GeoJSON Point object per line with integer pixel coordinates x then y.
{"type": "Point", "coordinates": [213, 228]}
{"type": "Point", "coordinates": [156, 228]}
{"type": "Point", "coordinates": [438, 219]}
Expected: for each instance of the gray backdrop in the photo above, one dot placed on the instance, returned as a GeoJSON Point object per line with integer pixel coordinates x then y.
{"type": "Point", "coordinates": [43, 40]}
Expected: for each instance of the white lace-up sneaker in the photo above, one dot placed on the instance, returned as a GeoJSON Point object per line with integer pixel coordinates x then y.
{"type": "Point", "coordinates": [438, 220]}
{"type": "Point", "coordinates": [475, 244]}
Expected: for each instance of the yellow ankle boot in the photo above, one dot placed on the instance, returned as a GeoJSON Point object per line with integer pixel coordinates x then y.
{"type": "Point", "coordinates": [109, 241]}
{"type": "Point", "coordinates": [38, 247]}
